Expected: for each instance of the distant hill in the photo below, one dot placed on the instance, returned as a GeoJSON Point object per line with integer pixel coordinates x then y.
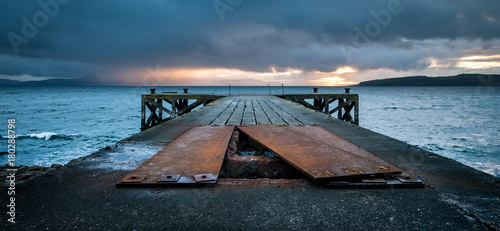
{"type": "Point", "coordinates": [6, 82]}
{"type": "Point", "coordinates": [458, 80]}
{"type": "Point", "coordinates": [86, 81]}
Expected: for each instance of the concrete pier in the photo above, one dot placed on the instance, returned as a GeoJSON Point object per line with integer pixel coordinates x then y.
{"type": "Point", "coordinates": [82, 195]}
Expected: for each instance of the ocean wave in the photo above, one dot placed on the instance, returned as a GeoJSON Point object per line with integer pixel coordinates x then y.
{"type": "Point", "coordinates": [45, 136]}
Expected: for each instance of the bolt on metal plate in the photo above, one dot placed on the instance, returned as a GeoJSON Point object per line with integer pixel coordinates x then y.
{"type": "Point", "coordinates": [169, 178]}
{"type": "Point", "coordinates": [384, 168]}
{"type": "Point", "coordinates": [323, 173]}
{"type": "Point", "coordinates": [354, 171]}
{"type": "Point", "coordinates": [134, 179]}
{"type": "Point", "coordinates": [204, 177]}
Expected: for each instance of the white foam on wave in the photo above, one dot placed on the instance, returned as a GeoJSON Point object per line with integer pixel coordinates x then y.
{"type": "Point", "coordinates": [43, 135]}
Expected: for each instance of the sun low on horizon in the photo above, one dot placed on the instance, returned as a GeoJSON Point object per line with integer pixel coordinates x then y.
{"type": "Point", "coordinates": [236, 77]}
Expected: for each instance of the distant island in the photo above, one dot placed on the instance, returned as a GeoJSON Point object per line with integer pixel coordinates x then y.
{"type": "Point", "coordinates": [85, 81]}
{"type": "Point", "coordinates": [458, 80]}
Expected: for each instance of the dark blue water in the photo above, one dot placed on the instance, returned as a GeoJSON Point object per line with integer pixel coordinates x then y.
{"type": "Point", "coordinates": [56, 125]}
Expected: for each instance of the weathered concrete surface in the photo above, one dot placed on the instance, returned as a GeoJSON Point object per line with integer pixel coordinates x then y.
{"type": "Point", "coordinates": [82, 195]}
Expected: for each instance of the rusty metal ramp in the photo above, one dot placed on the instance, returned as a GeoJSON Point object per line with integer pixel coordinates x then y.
{"type": "Point", "coordinates": [194, 158]}
{"type": "Point", "coordinates": [318, 153]}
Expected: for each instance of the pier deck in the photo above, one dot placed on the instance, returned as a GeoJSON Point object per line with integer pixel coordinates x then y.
{"type": "Point", "coordinates": [82, 195]}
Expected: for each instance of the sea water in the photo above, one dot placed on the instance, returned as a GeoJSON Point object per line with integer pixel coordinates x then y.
{"type": "Point", "coordinates": [58, 124]}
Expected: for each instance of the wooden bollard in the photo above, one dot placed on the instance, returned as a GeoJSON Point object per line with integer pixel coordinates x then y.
{"type": "Point", "coordinates": [186, 90]}
{"type": "Point", "coordinates": [347, 89]}
{"type": "Point", "coordinates": [153, 90]}
{"type": "Point", "coordinates": [315, 89]}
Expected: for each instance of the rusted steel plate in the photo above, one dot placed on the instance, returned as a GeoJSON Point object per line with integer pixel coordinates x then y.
{"type": "Point", "coordinates": [317, 152]}
{"type": "Point", "coordinates": [200, 150]}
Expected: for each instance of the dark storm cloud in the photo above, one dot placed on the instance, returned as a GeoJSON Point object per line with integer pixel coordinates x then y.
{"type": "Point", "coordinates": [254, 35]}
{"type": "Point", "coordinates": [14, 66]}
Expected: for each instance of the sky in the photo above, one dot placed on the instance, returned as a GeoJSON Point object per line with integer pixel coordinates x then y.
{"type": "Point", "coordinates": [247, 42]}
